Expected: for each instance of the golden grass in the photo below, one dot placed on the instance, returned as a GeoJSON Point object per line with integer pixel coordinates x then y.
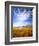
{"type": "Point", "coordinates": [21, 32]}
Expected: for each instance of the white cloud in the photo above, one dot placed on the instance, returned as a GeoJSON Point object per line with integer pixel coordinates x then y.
{"type": "Point", "coordinates": [21, 17]}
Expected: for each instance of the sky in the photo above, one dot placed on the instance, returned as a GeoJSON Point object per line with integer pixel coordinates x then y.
{"type": "Point", "coordinates": [21, 16]}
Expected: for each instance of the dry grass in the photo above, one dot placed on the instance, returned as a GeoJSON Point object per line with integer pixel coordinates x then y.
{"type": "Point", "coordinates": [22, 32]}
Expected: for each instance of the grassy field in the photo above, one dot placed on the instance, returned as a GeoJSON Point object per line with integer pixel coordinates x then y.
{"type": "Point", "coordinates": [21, 32]}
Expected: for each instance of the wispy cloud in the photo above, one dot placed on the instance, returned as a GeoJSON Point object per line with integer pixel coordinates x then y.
{"type": "Point", "coordinates": [20, 17]}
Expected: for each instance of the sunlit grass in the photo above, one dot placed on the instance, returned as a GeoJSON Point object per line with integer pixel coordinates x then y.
{"type": "Point", "coordinates": [22, 32]}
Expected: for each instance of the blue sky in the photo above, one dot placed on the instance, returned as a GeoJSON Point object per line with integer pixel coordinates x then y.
{"type": "Point", "coordinates": [21, 16]}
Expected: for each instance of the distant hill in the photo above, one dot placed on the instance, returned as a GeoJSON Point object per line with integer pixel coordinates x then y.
{"type": "Point", "coordinates": [25, 26]}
